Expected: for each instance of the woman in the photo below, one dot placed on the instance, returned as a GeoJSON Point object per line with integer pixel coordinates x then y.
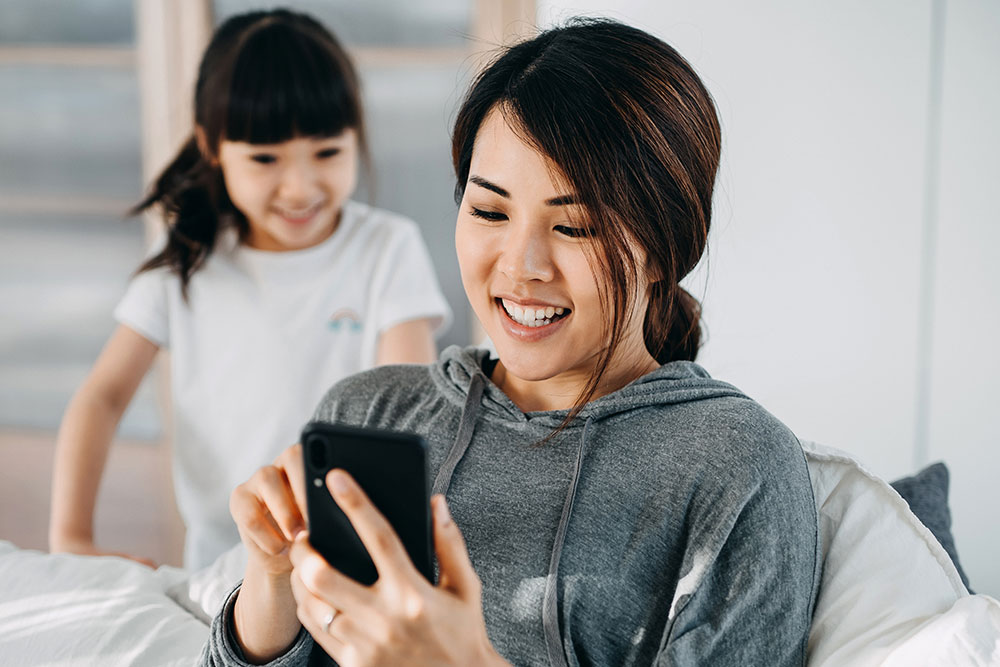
{"type": "Point", "coordinates": [618, 505]}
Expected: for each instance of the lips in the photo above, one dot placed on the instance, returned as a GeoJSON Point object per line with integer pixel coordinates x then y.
{"type": "Point", "coordinates": [299, 214]}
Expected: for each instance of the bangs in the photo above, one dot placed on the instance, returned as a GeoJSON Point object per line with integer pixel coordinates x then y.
{"type": "Point", "coordinates": [286, 84]}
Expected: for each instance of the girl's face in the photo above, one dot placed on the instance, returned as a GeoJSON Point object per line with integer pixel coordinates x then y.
{"type": "Point", "coordinates": [523, 256]}
{"type": "Point", "coordinates": [291, 192]}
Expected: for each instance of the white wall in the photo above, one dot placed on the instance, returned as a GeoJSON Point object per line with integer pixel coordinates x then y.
{"type": "Point", "coordinates": [964, 416]}
{"type": "Point", "coordinates": [814, 299]}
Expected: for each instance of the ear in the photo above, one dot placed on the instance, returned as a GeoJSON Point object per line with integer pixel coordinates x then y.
{"type": "Point", "coordinates": [206, 151]}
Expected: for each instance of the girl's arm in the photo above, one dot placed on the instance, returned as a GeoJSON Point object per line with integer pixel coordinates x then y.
{"type": "Point", "coordinates": [85, 435]}
{"type": "Point", "coordinates": [409, 342]}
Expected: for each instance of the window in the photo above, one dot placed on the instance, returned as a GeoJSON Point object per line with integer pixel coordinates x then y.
{"type": "Point", "coordinates": [70, 148]}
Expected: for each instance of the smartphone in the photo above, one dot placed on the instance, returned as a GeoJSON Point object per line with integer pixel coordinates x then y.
{"type": "Point", "coordinates": [391, 467]}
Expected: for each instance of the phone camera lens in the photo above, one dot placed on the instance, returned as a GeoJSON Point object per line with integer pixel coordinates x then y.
{"type": "Point", "coordinates": [317, 453]}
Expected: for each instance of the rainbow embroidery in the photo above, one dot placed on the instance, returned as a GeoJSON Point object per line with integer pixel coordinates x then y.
{"type": "Point", "coordinates": [345, 319]}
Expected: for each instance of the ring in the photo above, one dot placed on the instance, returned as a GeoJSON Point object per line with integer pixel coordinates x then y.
{"type": "Point", "coordinates": [328, 619]}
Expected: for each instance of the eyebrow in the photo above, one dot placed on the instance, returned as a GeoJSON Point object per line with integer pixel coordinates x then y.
{"type": "Point", "coordinates": [561, 200]}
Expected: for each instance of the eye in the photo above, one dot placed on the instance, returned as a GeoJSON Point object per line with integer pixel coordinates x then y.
{"type": "Point", "coordinates": [327, 152]}
{"type": "Point", "coordinates": [574, 232]}
{"type": "Point", "coordinates": [494, 216]}
{"type": "Point", "coordinates": [263, 158]}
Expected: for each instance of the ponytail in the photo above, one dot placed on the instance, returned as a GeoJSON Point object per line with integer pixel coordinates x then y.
{"type": "Point", "coordinates": [672, 329]}
{"type": "Point", "coordinates": [193, 198]}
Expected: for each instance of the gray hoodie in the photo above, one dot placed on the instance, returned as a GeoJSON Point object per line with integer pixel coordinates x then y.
{"type": "Point", "coordinates": [672, 523]}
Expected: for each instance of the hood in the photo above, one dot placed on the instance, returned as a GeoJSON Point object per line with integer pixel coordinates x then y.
{"type": "Point", "coordinates": [672, 383]}
{"type": "Point", "coordinates": [459, 376]}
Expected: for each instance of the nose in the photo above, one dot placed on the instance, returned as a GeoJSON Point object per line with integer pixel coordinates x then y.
{"type": "Point", "coordinates": [299, 182]}
{"type": "Point", "coordinates": [526, 254]}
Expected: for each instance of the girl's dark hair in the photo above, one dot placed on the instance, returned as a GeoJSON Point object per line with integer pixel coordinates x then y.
{"type": "Point", "coordinates": [635, 133]}
{"type": "Point", "coordinates": [266, 77]}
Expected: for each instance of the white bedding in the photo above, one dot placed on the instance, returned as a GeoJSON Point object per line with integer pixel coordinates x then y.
{"type": "Point", "coordinates": [64, 610]}
{"type": "Point", "coordinates": [889, 594]}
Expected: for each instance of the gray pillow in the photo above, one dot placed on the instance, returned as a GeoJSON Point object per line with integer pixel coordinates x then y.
{"type": "Point", "coordinates": [927, 495]}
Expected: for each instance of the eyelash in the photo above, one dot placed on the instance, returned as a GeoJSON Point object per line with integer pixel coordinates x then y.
{"type": "Point", "coordinates": [566, 230]}
{"type": "Point", "coordinates": [264, 158]}
{"type": "Point", "coordinates": [575, 232]}
{"type": "Point", "coordinates": [492, 216]}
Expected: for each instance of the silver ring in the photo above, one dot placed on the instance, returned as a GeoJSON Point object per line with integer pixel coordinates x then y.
{"type": "Point", "coordinates": [328, 619]}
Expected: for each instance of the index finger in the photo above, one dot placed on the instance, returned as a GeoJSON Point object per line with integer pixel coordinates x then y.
{"type": "Point", "coordinates": [291, 462]}
{"type": "Point", "coordinates": [376, 533]}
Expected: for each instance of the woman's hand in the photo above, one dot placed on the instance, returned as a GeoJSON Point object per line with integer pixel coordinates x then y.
{"type": "Point", "coordinates": [402, 618]}
{"type": "Point", "coordinates": [268, 509]}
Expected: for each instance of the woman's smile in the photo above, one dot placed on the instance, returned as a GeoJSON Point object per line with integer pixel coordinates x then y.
{"type": "Point", "coordinates": [531, 323]}
{"type": "Point", "coordinates": [533, 315]}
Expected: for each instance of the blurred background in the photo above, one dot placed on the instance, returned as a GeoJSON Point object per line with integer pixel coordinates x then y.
{"type": "Point", "coordinates": [852, 284]}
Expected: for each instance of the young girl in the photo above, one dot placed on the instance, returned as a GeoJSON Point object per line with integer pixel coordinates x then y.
{"type": "Point", "coordinates": [271, 285]}
{"type": "Point", "coordinates": [618, 505]}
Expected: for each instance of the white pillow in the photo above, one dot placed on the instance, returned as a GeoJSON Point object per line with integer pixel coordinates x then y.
{"type": "Point", "coordinates": [884, 574]}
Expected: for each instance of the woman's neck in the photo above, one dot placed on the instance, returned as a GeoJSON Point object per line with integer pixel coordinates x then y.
{"type": "Point", "coordinates": [562, 391]}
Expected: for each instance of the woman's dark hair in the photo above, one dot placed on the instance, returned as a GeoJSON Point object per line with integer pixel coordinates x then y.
{"type": "Point", "coordinates": [266, 77]}
{"type": "Point", "coordinates": [635, 132]}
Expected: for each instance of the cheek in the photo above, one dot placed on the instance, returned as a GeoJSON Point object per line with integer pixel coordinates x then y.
{"type": "Point", "coordinates": [246, 190]}
{"type": "Point", "coordinates": [579, 276]}
{"type": "Point", "coordinates": [343, 178]}
{"type": "Point", "coordinates": [583, 290]}
{"type": "Point", "coordinates": [473, 258]}
{"type": "Point", "coordinates": [464, 252]}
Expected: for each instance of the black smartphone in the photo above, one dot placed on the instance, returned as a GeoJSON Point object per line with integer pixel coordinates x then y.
{"type": "Point", "coordinates": [391, 467]}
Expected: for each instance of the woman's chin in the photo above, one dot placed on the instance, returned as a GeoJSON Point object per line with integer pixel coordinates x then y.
{"type": "Point", "coordinates": [530, 367]}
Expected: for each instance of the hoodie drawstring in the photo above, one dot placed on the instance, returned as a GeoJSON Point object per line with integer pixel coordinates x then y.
{"type": "Point", "coordinates": [464, 436]}
{"type": "Point", "coordinates": [550, 601]}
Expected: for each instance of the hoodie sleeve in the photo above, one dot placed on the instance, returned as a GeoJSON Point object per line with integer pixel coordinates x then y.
{"type": "Point", "coordinates": [222, 649]}
{"type": "Point", "coordinates": [752, 603]}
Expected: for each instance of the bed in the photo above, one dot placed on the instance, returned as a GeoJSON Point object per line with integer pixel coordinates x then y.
{"type": "Point", "coordinates": [890, 593]}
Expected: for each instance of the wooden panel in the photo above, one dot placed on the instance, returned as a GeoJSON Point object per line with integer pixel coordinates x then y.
{"type": "Point", "coordinates": [135, 509]}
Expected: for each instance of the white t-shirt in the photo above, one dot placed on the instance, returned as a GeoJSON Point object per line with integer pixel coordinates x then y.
{"type": "Point", "coordinates": [261, 338]}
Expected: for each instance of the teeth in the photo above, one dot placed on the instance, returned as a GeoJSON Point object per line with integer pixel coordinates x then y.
{"type": "Point", "coordinates": [298, 212]}
{"type": "Point", "coordinates": [531, 317]}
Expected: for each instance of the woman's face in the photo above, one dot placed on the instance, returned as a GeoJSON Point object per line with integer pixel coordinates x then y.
{"type": "Point", "coordinates": [523, 252]}
{"type": "Point", "coordinates": [290, 192]}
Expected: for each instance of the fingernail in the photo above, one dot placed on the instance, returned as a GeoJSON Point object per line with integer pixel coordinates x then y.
{"type": "Point", "coordinates": [443, 514]}
{"type": "Point", "coordinates": [338, 482]}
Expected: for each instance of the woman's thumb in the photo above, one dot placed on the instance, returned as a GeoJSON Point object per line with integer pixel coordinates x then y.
{"type": "Point", "coordinates": [455, 567]}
